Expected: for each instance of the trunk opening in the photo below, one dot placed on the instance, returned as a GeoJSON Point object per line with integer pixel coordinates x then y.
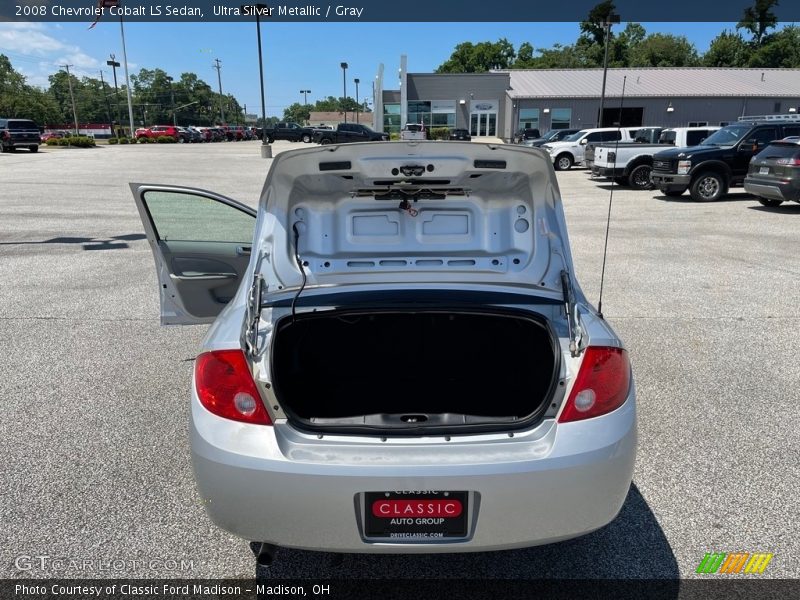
{"type": "Point", "coordinates": [406, 371]}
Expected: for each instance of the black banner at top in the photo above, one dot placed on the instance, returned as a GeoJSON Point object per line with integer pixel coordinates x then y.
{"type": "Point", "coordinates": [379, 10]}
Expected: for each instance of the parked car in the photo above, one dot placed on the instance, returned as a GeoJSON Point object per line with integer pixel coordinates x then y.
{"type": "Point", "coordinates": [291, 132]}
{"type": "Point", "coordinates": [19, 133]}
{"type": "Point", "coordinates": [774, 173]}
{"type": "Point", "coordinates": [400, 386]}
{"type": "Point", "coordinates": [571, 150]}
{"type": "Point", "coordinates": [722, 160]}
{"type": "Point", "coordinates": [631, 163]}
{"type": "Point", "coordinates": [413, 131]}
{"type": "Point", "coordinates": [588, 152]}
{"type": "Point", "coordinates": [526, 134]}
{"type": "Point", "coordinates": [554, 135]}
{"type": "Point", "coordinates": [54, 135]}
{"type": "Point", "coordinates": [349, 132]}
{"type": "Point", "coordinates": [157, 131]}
{"type": "Point", "coordinates": [460, 134]}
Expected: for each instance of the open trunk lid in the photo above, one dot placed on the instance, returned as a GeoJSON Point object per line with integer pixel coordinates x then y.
{"type": "Point", "coordinates": [413, 213]}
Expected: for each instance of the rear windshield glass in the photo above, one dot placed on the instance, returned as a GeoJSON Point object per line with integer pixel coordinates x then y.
{"type": "Point", "coordinates": [22, 125]}
{"type": "Point", "coordinates": [667, 137]}
{"type": "Point", "coordinates": [780, 151]}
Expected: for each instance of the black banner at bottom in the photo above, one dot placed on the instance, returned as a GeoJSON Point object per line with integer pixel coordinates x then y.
{"type": "Point", "coordinates": [389, 589]}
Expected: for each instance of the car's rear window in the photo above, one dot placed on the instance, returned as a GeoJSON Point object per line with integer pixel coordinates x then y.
{"type": "Point", "coordinates": [667, 137]}
{"type": "Point", "coordinates": [22, 125]}
{"type": "Point", "coordinates": [786, 150]}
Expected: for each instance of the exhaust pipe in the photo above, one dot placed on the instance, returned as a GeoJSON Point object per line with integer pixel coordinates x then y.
{"type": "Point", "coordinates": [265, 555]}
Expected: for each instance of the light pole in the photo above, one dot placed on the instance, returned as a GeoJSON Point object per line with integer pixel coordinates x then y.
{"type": "Point", "coordinates": [344, 85]}
{"type": "Point", "coordinates": [305, 100]}
{"type": "Point", "coordinates": [607, 22]}
{"type": "Point", "coordinates": [358, 108]}
{"type": "Point", "coordinates": [259, 9]}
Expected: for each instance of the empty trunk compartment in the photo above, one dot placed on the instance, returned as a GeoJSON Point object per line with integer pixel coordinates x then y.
{"type": "Point", "coordinates": [410, 370]}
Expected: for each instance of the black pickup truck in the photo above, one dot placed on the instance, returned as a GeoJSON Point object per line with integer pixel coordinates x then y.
{"type": "Point", "coordinates": [721, 161]}
{"type": "Point", "coordinates": [349, 132]}
{"type": "Point", "coordinates": [19, 133]}
{"type": "Point", "coordinates": [289, 131]}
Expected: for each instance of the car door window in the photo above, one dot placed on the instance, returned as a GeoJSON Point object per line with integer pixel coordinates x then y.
{"type": "Point", "coordinates": [763, 136]}
{"type": "Point", "coordinates": [594, 137]}
{"type": "Point", "coordinates": [693, 138]}
{"type": "Point", "coordinates": [181, 216]}
{"type": "Point", "coordinates": [610, 136]}
{"type": "Point", "coordinates": [791, 130]}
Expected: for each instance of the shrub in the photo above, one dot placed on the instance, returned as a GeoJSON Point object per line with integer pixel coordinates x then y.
{"type": "Point", "coordinates": [144, 140]}
{"type": "Point", "coordinates": [394, 136]}
{"type": "Point", "coordinates": [112, 141]}
{"type": "Point", "coordinates": [124, 140]}
{"type": "Point", "coordinates": [165, 139]}
{"type": "Point", "coordinates": [63, 141]}
{"type": "Point", "coordinates": [52, 141]}
{"type": "Point", "coordinates": [439, 133]}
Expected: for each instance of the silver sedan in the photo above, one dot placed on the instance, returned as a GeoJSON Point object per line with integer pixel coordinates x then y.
{"type": "Point", "coordinates": [400, 358]}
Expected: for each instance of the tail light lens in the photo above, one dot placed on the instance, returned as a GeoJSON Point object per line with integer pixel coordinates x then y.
{"type": "Point", "coordinates": [601, 386]}
{"type": "Point", "coordinates": [226, 387]}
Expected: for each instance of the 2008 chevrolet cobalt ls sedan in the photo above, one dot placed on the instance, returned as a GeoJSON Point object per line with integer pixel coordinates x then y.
{"type": "Point", "coordinates": [400, 358]}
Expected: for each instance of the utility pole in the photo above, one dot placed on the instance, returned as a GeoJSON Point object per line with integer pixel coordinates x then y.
{"type": "Point", "coordinates": [127, 80]}
{"type": "Point", "coordinates": [72, 97]}
{"type": "Point", "coordinates": [114, 64]}
{"type": "Point", "coordinates": [108, 107]}
{"type": "Point", "coordinates": [344, 86]}
{"type": "Point", "coordinates": [358, 108]}
{"type": "Point", "coordinates": [610, 19]}
{"type": "Point", "coordinates": [172, 101]}
{"type": "Point", "coordinates": [218, 67]}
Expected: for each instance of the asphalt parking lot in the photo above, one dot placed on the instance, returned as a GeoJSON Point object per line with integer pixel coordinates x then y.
{"type": "Point", "coordinates": [94, 392]}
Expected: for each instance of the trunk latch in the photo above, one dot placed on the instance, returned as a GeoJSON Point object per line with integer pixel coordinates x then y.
{"type": "Point", "coordinates": [414, 418]}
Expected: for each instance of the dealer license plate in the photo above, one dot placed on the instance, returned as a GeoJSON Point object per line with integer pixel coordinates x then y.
{"type": "Point", "coordinates": [763, 171]}
{"type": "Point", "coordinates": [415, 516]}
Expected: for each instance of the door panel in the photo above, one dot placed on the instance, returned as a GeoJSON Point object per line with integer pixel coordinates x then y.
{"type": "Point", "coordinates": [201, 245]}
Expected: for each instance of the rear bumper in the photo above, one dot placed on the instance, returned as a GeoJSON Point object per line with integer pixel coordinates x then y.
{"type": "Point", "coordinates": [773, 190]}
{"type": "Point", "coordinates": [608, 172]}
{"type": "Point", "coordinates": [277, 485]}
{"type": "Point", "coordinates": [670, 180]}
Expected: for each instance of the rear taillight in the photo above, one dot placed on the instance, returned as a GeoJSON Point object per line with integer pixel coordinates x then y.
{"type": "Point", "coordinates": [792, 162]}
{"type": "Point", "coordinates": [226, 387]}
{"type": "Point", "coordinates": [601, 386]}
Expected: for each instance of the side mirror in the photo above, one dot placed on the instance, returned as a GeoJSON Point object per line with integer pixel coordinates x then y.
{"type": "Point", "coordinates": [584, 141]}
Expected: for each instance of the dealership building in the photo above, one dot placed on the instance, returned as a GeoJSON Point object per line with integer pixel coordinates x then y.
{"type": "Point", "coordinates": [498, 103]}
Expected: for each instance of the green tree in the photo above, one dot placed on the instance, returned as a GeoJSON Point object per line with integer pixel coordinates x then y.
{"type": "Point", "coordinates": [592, 29]}
{"type": "Point", "coordinates": [728, 49]}
{"type": "Point", "coordinates": [297, 113]}
{"type": "Point", "coordinates": [479, 58]}
{"type": "Point", "coordinates": [782, 50]}
{"type": "Point", "coordinates": [758, 19]}
{"type": "Point", "coordinates": [663, 50]}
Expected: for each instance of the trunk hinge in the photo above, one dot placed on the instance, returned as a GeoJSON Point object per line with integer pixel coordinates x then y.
{"type": "Point", "coordinates": [253, 313]}
{"type": "Point", "coordinates": [575, 331]}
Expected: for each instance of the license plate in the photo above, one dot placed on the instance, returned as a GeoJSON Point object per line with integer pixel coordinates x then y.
{"type": "Point", "coordinates": [415, 516]}
{"type": "Point", "coordinates": [763, 171]}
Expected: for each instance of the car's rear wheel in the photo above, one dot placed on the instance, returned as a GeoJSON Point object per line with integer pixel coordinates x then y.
{"type": "Point", "coordinates": [306, 138]}
{"type": "Point", "coordinates": [181, 140]}
{"type": "Point", "coordinates": [270, 140]}
{"type": "Point", "coordinates": [708, 187]}
{"type": "Point", "coordinates": [324, 141]}
{"type": "Point", "coordinates": [639, 177]}
{"type": "Point", "coordinates": [770, 203]}
{"type": "Point", "coordinates": [563, 162]}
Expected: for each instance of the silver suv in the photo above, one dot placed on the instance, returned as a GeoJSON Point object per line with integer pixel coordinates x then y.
{"type": "Point", "coordinates": [400, 358]}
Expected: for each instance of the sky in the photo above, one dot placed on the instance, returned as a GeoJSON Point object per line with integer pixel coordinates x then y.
{"type": "Point", "coordinates": [297, 56]}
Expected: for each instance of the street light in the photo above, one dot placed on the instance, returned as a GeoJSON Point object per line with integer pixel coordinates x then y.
{"type": "Point", "coordinates": [357, 80]}
{"type": "Point", "coordinates": [259, 9]}
{"type": "Point", "coordinates": [114, 64]}
{"type": "Point", "coordinates": [344, 85]}
{"type": "Point", "coordinates": [607, 22]}
{"type": "Point", "coordinates": [305, 96]}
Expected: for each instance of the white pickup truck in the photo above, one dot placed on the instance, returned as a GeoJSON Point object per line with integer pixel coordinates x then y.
{"type": "Point", "coordinates": [413, 131]}
{"type": "Point", "coordinates": [630, 163]}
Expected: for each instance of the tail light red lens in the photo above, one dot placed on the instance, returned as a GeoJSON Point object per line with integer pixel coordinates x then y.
{"type": "Point", "coordinates": [601, 386]}
{"type": "Point", "coordinates": [226, 387]}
